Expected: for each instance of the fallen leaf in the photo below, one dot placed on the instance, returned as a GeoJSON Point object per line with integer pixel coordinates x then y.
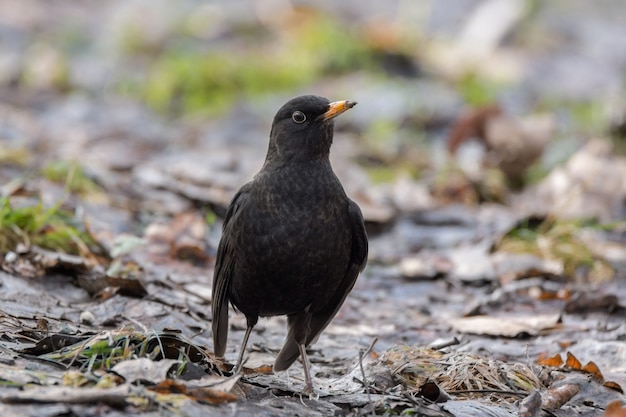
{"type": "Point", "coordinates": [614, 386]}
{"type": "Point", "coordinates": [169, 386]}
{"type": "Point", "coordinates": [215, 382]}
{"type": "Point", "coordinates": [470, 125]}
{"type": "Point", "coordinates": [144, 369]}
{"type": "Point", "coordinates": [565, 344]}
{"type": "Point", "coordinates": [572, 362]}
{"type": "Point", "coordinates": [593, 369]}
{"type": "Point", "coordinates": [584, 302]}
{"type": "Point", "coordinates": [555, 361]}
{"type": "Point", "coordinates": [211, 396]}
{"type": "Point", "coordinates": [615, 409]}
{"type": "Point", "coordinates": [201, 394]}
{"type": "Point", "coordinates": [512, 326]}
{"type": "Point", "coordinates": [265, 369]}
{"type": "Point", "coordinates": [554, 399]}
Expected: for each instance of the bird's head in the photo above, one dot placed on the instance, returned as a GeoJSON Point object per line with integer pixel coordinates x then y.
{"type": "Point", "coordinates": [303, 128]}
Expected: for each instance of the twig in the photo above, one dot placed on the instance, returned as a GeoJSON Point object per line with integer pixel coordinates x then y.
{"type": "Point", "coordinates": [487, 391]}
{"type": "Point", "coordinates": [446, 343]}
{"type": "Point", "coordinates": [370, 347]}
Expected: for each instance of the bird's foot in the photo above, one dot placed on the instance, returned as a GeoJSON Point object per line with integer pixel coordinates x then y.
{"type": "Point", "coordinates": [310, 391]}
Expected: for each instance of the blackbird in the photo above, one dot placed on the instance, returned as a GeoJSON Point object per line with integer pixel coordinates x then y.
{"type": "Point", "coordinates": [292, 242]}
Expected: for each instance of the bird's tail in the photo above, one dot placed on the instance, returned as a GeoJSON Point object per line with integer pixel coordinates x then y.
{"type": "Point", "coordinates": [287, 355]}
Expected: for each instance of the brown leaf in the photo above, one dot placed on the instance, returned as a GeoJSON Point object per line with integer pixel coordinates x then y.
{"type": "Point", "coordinates": [584, 302]}
{"type": "Point", "coordinates": [614, 386]}
{"type": "Point", "coordinates": [211, 396]}
{"type": "Point", "coordinates": [555, 398]}
{"type": "Point", "coordinates": [169, 386]}
{"type": "Point", "coordinates": [615, 409]}
{"type": "Point", "coordinates": [593, 369]}
{"type": "Point", "coordinates": [555, 361]}
{"type": "Point", "coordinates": [471, 124]}
{"type": "Point", "coordinates": [565, 344]}
{"type": "Point", "coordinates": [264, 369]}
{"type": "Point", "coordinates": [572, 362]}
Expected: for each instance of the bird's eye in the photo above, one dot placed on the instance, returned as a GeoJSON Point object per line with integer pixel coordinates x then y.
{"type": "Point", "coordinates": [298, 117]}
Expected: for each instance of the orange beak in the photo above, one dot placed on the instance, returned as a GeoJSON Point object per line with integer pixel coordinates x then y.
{"type": "Point", "coordinates": [336, 108]}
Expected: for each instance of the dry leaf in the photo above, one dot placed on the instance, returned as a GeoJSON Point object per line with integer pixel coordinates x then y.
{"type": "Point", "coordinates": [593, 369]}
{"type": "Point", "coordinates": [565, 344]}
{"type": "Point", "coordinates": [555, 361]}
{"type": "Point", "coordinates": [169, 386]}
{"type": "Point", "coordinates": [144, 369]}
{"type": "Point", "coordinates": [512, 326]}
{"type": "Point", "coordinates": [265, 369]}
{"type": "Point", "coordinates": [614, 386]}
{"type": "Point", "coordinates": [615, 409]}
{"type": "Point", "coordinates": [211, 396]}
{"type": "Point", "coordinates": [471, 124]}
{"type": "Point", "coordinates": [572, 362]}
{"type": "Point", "coordinates": [555, 398]}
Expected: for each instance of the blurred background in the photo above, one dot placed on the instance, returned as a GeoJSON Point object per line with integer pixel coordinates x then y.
{"type": "Point", "coordinates": [487, 153]}
{"type": "Point", "coordinates": [155, 108]}
{"type": "Point", "coordinates": [150, 108]}
{"type": "Point", "coordinates": [549, 74]}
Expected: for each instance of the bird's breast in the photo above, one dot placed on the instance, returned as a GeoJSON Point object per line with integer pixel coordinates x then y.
{"type": "Point", "coordinates": [293, 244]}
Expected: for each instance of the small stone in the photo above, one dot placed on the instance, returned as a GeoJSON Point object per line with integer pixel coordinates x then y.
{"type": "Point", "coordinates": [87, 317]}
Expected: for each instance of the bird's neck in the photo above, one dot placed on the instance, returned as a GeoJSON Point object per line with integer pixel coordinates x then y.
{"type": "Point", "coordinates": [296, 163]}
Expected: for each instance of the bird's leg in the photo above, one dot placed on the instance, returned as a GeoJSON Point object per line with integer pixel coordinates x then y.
{"type": "Point", "coordinates": [309, 389]}
{"type": "Point", "coordinates": [239, 364]}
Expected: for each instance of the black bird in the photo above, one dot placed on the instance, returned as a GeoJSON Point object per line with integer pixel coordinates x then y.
{"type": "Point", "coordinates": [292, 242]}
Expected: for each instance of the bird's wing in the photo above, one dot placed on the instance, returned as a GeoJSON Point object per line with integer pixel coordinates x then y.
{"type": "Point", "coordinates": [222, 274]}
{"type": "Point", "coordinates": [318, 321]}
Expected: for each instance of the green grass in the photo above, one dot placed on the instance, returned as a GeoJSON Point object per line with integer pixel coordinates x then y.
{"type": "Point", "coordinates": [560, 240]}
{"type": "Point", "coordinates": [478, 91]}
{"type": "Point", "coordinates": [50, 228]}
{"type": "Point", "coordinates": [72, 174]}
{"type": "Point", "coordinates": [185, 79]}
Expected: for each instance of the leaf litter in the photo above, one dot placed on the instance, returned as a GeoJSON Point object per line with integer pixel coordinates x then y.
{"type": "Point", "coordinates": [109, 233]}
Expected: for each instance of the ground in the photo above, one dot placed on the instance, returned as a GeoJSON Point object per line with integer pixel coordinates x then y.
{"type": "Point", "coordinates": [488, 161]}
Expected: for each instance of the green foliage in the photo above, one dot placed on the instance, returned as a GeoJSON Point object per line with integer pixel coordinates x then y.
{"type": "Point", "coordinates": [210, 218]}
{"type": "Point", "coordinates": [104, 352]}
{"type": "Point", "coordinates": [560, 240]}
{"type": "Point", "coordinates": [381, 174]}
{"type": "Point", "coordinates": [183, 79]}
{"type": "Point", "coordinates": [52, 229]}
{"type": "Point", "coordinates": [330, 47]}
{"type": "Point", "coordinates": [588, 116]}
{"type": "Point", "coordinates": [190, 83]}
{"type": "Point", "coordinates": [72, 174]}
{"type": "Point", "coordinates": [478, 91]}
